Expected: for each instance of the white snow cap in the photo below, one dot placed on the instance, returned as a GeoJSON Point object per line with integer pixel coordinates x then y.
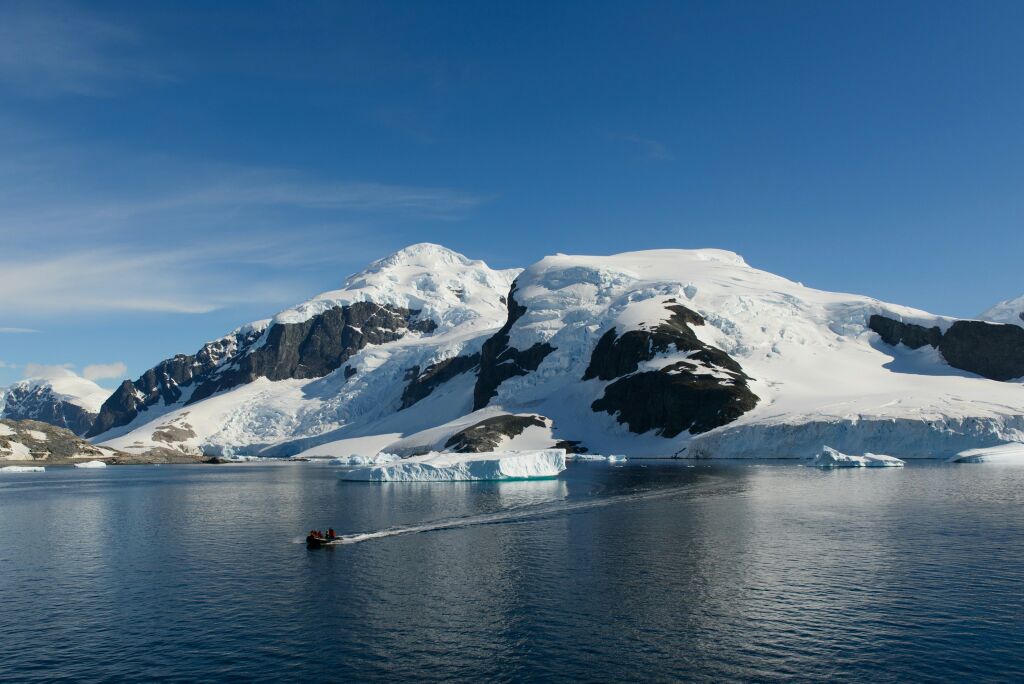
{"type": "Point", "coordinates": [1010, 311]}
{"type": "Point", "coordinates": [67, 386]}
{"type": "Point", "coordinates": [445, 285]}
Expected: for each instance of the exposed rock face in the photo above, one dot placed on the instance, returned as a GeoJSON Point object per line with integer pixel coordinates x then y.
{"type": "Point", "coordinates": [499, 361]}
{"type": "Point", "coordinates": [490, 432]}
{"type": "Point", "coordinates": [422, 384]}
{"type": "Point", "coordinates": [23, 440]}
{"type": "Point", "coordinates": [40, 402]}
{"type": "Point", "coordinates": [310, 349]}
{"type": "Point", "coordinates": [991, 350]}
{"type": "Point", "coordinates": [895, 332]}
{"type": "Point", "coordinates": [707, 390]}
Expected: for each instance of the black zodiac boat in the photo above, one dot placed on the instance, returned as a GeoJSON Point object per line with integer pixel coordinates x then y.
{"type": "Point", "coordinates": [314, 542]}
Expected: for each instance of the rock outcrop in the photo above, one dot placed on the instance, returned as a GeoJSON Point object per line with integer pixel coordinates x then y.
{"type": "Point", "coordinates": [33, 440]}
{"type": "Point", "coordinates": [499, 361]}
{"type": "Point", "coordinates": [991, 350]}
{"type": "Point", "coordinates": [489, 433]}
{"type": "Point", "coordinates": [706, 390]}
{"type": "Point", "coordinates": [422, 384]}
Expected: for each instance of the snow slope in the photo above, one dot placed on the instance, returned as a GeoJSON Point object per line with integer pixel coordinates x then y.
{"type": "Point", "coordinates": [1010, 311]}
{"type": "Point", "coordinates": [463, 297]}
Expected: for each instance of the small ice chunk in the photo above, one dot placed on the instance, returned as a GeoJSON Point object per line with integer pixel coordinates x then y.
{"type": "Point", "coordinates": [830, 458]}
{"type": "Point", "coordinates": [91, 464]}
{"type": "Point", "coordinates": [445, 467]}
{"type": "Point", "coordinates": [22, 469]}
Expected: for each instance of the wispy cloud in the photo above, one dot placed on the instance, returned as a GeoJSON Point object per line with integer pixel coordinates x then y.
{"type": "Point", "coordinates": [54, 48]}
{"type": "Point", "coordinates": [105, 371]}
{"type": "Point", "coordinates": [113, 280]}
{"type": "Point", "coordinates": [48, 371]}
{"type": "Point", "coordinates": [17, 331]}
{"type": "Point", "coordinates": [651, 148]}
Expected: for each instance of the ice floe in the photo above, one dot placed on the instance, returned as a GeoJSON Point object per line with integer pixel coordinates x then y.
{"type": "Point", "coordinates": [22, 469]}
{"type": "Point", "coordinates": [357, 460]}
{"type": "Point", "coordinates": [91, 464]}
{"type": "Point", "coordinates": [830, 458]}
{"type": "Point", "coordinates": [613, 458]}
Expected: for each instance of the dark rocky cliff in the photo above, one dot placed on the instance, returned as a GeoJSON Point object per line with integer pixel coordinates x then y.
{"type": "Point", "coordinates": [310, 349]}
{"type": "Point", "coordinates": [39, 402]}
{"type": "Point", "coordinates": [499, 361]}
{"type": "Point", "coordinates": [991, 350]}
{"type": "Point", "coordinates": [706, 390]}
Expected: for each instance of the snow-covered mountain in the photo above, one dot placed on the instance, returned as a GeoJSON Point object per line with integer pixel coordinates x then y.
{"type": "Point", "coordinates": [395, 332]}
{"type": "Point", "coordinates": [1010, 311]}
{"type": "Point", "coordinates": [62, 398]}
{"type": "Point", "coordinates": [656, 353]}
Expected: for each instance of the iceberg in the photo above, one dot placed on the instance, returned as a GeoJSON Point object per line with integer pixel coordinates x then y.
{"type": "Point", "coordinates": [22, 469]}
{"type": "Point", "coordinates": [1004, 453]}
{"type": "Point", "coordinates": [830, 458]}
{"type": "Point", "coordinates": [91, 464]}
{"type": "Point", "coordinates": [614, 458]}
{"type": "Point", "coordinates": [357, 460]}
{"type": "Point", "coordinates": [446, 467]}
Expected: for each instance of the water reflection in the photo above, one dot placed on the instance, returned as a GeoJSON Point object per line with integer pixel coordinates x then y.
{"type": "Point", "coordinates": [651, 570]}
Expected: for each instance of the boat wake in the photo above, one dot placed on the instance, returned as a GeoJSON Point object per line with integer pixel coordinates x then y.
{"type": "Point", "coordinates": [523, 513]}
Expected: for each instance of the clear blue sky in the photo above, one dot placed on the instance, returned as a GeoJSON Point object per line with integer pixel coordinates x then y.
{"type": "Point", "coordinates": [169, 171]}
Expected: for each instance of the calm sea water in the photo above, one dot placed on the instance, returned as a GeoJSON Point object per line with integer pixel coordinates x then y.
{"type": "Point", "coordinates": [650, 570]}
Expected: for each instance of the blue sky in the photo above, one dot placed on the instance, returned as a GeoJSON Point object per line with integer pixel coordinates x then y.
{"type": "Point", "coordinates": [169, 171]}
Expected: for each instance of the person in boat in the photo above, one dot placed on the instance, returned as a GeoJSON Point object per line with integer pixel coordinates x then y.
{"type": "Point", "coordinates": [331, 534]}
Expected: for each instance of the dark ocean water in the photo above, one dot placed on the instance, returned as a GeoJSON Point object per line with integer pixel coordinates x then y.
{"type": "Point", "coordinates": [650, 571]}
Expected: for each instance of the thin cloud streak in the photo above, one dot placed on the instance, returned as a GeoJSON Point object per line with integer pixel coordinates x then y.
{"type": "Point", "coordinates": [109, 280]}
{"type": "Point", "coordinates": [49, 49]}
{"type": "Point", "coordinates": [17, 331]}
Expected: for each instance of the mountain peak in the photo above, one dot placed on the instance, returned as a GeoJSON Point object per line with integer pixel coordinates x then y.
{"type": "Point", "coordinates": [1009, 311]}
{"type": "Point", "coordinates": [446, 286]}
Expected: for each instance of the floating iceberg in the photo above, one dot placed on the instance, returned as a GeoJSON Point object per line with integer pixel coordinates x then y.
{"type": "Point", "coordinates": [830, 458]}
{"type": "Point", "coordinates": [444, 467]}
{"type": "Point", "coordinates": [357, 460]}
{"type": "Point", "coordinates": [595, 457]}
{"type": "Point", "coordinates": [91, 464]}
{"type": "Point", "coordinates": [22, 469]}
{"type": "Point", "coordinates": [1003, 453]}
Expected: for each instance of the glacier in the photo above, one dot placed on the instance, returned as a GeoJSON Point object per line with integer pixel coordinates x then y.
{"type": "Point", "coordinates": [448, 467]}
